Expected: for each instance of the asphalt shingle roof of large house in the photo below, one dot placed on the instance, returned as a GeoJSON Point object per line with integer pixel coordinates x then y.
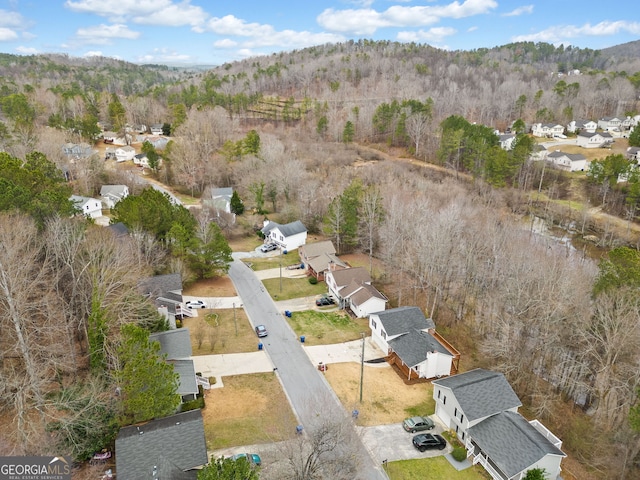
{"type": "Point", "coordinates": [404, 319]}
{"type": "Point", "coordinates": [511, 442]}
{"type": "Point", "coordinates": [311, 250]}
{"type": "Point", "coordinates": [178, 438]}
{"type": "Point", "coordinates": [412, 347]}
{"type": "Point", "coordinates": [287, 230]}
{"type": "Point", "coordinates": [159, 285]}
{"type": "Point", "coordinates": [481, 393]}
{"type": "Point", "coordinates": [186, 376]}
{"type": "Point", "coordinates": [175, 343]}
{"type": "Point", "coordinates": [363, 293]}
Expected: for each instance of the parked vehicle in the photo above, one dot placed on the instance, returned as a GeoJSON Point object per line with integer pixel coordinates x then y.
{"type": "Point", "coordinates": [322, 301]}
{"type": "Point", "coordinates": [426, 441]}
{"type": "Point", "coordinates": [261, 331]}
{"type": "Point", "coordinates": [195, 304]}
{"type": "Point", "coordinates": [268, 247]}
{"type": "Point", "coordinates": [253, 458]}
{"type": "Point", "coordinates": [417, 424]}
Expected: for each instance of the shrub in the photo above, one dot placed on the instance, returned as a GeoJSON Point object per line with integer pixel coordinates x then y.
{"type": "Point", "coordinates": [459, 454]}
{"type": "Point", "coordinates": [313, 280]}
{"type": "Point", "coordinates": [198, 403]}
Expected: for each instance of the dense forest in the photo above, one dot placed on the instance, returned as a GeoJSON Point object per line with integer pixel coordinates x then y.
{"type": "Point", "coordinates": [387, 148]}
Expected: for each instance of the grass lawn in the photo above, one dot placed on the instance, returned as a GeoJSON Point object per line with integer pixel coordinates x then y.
{"type": "Point", "coordinates": [293, 288]}
{"type": "Point", "coordinates": [265, 263]}
{"type": "Point", "coordinates": [242, 412]}
{"type": "Point", "coordinates": [214, 332]}
{"type": "Point", "coordinates": [325, 328]}
{"type": "Point", "coordinates": [437, 468]}
{"type": "Point", "coordinates": [385, 397]}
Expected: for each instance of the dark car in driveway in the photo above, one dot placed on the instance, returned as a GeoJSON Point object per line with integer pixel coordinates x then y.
{"type": "Point", "coordinates": [426, 441]}
{"type": "Point", "coordinates": [261, 331]}
{"type": "Point", "coordinates": [417, 424]}
{"type": "Point", "coordinates": [322, 301]}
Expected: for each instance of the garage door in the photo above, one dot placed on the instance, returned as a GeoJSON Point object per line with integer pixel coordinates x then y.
{"type": "Point", "coordinates": [443, 415]}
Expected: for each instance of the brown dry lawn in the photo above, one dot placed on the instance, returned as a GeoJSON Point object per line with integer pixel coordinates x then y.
{"type": "Point", "coordinates": [218, 331]}
{"type": "Point", "coordinates": [211, 287]}
{"type": "Point", "coordinates": [385, 397]}
{"type": "Point", "coordinates": [243, 412]}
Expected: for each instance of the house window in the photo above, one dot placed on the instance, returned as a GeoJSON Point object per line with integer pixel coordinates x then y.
{"type": "Point", "coordinates": [462, 435]}
{"type": "Point", "coordinates": [444, 400]}
{"type": "Point", "coordinates": [373, 324]}
{"type": "Point", "coordinates": [455, 412]}
{"type": "Point", "coordinates": [461, 417]}
{"type": "Point", "coordinates": [383, 334]}
{"type": "Point", "coordinates": [457, 429]}
{"type": "Point", "coordinates": [438, 394]}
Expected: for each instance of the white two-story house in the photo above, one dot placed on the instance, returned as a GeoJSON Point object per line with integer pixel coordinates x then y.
{"type": "Point", "coordinates": [482, 408]}
{"type": "Point", "coordinates": [287, 237]}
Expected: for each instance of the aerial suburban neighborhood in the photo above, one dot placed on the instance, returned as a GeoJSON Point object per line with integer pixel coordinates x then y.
{"type": "Point", "coordinates": [362, 260]}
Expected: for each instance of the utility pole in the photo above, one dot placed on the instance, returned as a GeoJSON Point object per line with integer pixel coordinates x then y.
{"type": "Point", "coordinates": [362, 367]}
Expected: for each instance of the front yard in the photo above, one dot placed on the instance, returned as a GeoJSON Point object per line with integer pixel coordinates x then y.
{"type": "Point", "coordinates": [243, 413]}
{"type": "Point", "coordinates": [437, 468]}
{"type": "Point", "coordinates": [292, 288]}
{"type": "Point", "coordinates": [221, 331]}
{"type": "Point", "coordinates": [325, 328]}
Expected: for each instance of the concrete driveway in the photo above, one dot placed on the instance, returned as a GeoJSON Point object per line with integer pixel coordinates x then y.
{"type": "Point", "coordinates": [392, 442]}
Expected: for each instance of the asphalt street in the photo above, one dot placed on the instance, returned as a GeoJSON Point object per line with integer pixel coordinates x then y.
{"type": "Point", "coordinates": [310, 395]}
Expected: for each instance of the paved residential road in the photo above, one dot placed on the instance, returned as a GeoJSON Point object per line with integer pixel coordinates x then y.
{"type": "Point", "coordinates": [309, 393]}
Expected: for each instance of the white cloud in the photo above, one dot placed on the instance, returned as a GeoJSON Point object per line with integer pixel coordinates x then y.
{"type": "Point", "coordinates": [433, 35]}
{"type": "Point", "coordinates": [558, 33]}
{"type": "Point", "coordinates": [263, 35]}
{"type": "Point", "coordinates": [7, 34]}
{"type": "Point", "coordinates": [10, 19]}
{"type": "Point", "coordinates": [149, 12]}
{"type": "Point", "coordinates": [225, 43]}
{"type": "Point", "coordinates": [367, 21]}
{"type": "Point", "coordinates": [102, 34]}
{"type": "Point", "coordinates": [526, 9]}
{"type": "Point", "coordinates": [93, 53]}
{"type": "Point", "coordinates": [26, 50]}
{"type": "Point", "coordinates": [164, 55]}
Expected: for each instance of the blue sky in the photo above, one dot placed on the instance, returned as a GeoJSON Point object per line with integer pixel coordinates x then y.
{"type": "Point", "coordinates": [212, 32]}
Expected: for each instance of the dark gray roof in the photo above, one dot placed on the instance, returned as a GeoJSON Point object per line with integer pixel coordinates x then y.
{"type": "Point", "coordinates": [481, 393]}
{"type": "Point", "coordinates": [164, 469]}
{"type": "Point", "coordinates": [511, 442]}
{"type": "Point", "coordinates": [593, 134]}
{"type": "Point", "coordinates": [412, 347]}
{"type": "Point", "coordinates": [175, 343]}
{"type": "Point", "coordinates": [404, 319]}
{"type": "Point", "coordinates": [178, 438]}
{"type": "Point", "coordinates": [119, 229]}
{"type": "Point", "coordinates": [186, 376]}
{"type": "Point", "coordinates": [159, 285]}
{"type": "Point", "coordinates": [287, 230]}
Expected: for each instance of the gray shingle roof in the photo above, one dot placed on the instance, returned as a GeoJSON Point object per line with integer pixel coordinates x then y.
{"type": "Point", "coordinates": [321, 263]}
{"type": "Point", "coordinates": [481, 393]}
{"type": "Point", "coordinates": [511, 442]}
{"type": "Point", "coordinates": [186, 376]}
{"type": "Point", "coordinates": [159, 285]}
{"type": "Point", "coordinates": [287, 230]}
{"type": "Point", "coordinates": [404, 319]}
{"type": "Point", "coordinates": [175, 343]}
{"type": "Point", "coordinates": [178, 438]}
{"type": "Point", "coordinates": [412, 347]}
